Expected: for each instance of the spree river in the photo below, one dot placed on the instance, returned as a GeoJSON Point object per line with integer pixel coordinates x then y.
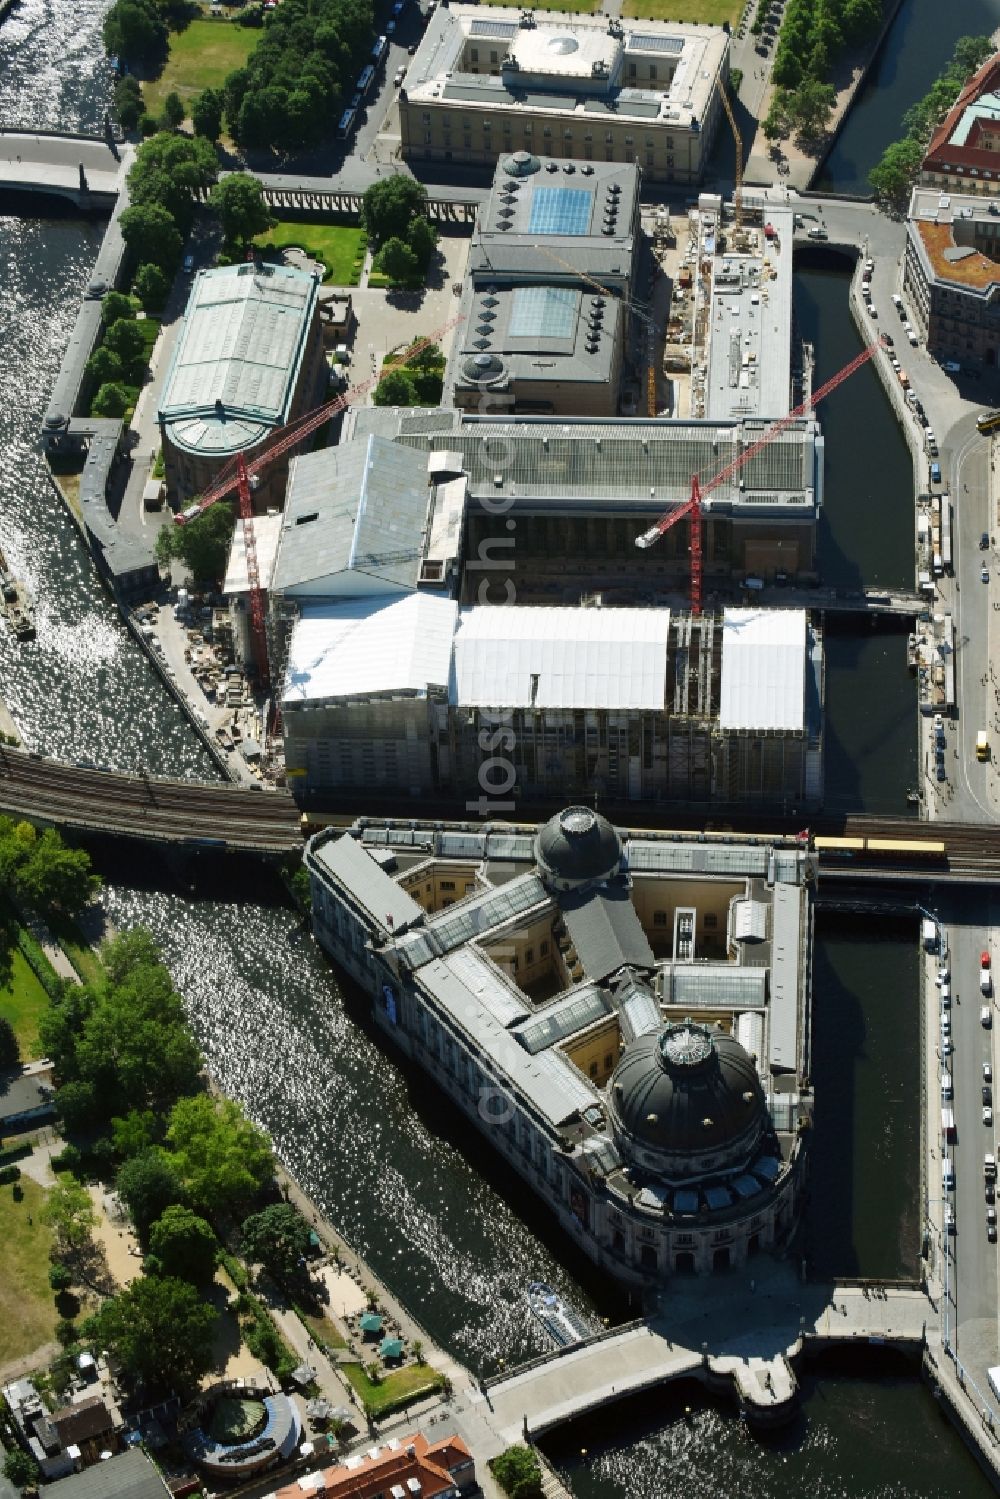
{"type": "Point", "coordinates": [447, 1227]}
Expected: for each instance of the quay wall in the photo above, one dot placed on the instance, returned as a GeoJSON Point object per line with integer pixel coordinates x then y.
{"type": "Point", "coordinates": [844, 108]}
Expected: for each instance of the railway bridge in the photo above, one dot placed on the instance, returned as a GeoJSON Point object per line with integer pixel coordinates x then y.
{"type": "Point", "coordinates": [86, 798]}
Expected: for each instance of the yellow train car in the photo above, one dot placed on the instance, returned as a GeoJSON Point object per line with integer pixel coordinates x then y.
{"type": "Point", "coordinates": [922, 850]}
{"type": "Point", "coordinates": [839, 848]}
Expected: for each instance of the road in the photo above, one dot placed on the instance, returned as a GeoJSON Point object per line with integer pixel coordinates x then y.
{"type": "Point", "coordinates": [973, 1277]}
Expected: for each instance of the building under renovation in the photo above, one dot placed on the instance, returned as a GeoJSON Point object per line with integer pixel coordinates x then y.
{"type": "Point", "coordinates": [624, 1016]}
{"type": "Point", "coordinates": [547, 289]}
{"type": "Point", "coordinates": [560, 501]}
{"type": "Point", "coordinates": [492, 705]}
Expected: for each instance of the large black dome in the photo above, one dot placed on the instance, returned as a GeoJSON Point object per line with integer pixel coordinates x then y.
{"type": "Point", "coordinates": [576, 847]}
{"type": "Point", "coordinates": [686, 1090]}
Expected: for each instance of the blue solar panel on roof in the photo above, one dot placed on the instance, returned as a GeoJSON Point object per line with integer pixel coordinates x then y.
{"type": "Point", "coordinates": [560, 210]}
{"type": "Point", "coordinates": [542, 312]}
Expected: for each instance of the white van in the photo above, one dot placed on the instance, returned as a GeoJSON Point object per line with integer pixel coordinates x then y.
{"type": "Point", "coordinates": [948, 1174]}
{"type": "Point", "coordinates": [947, 1090]}
{"type": "Point", "coordinates": [946, 996]}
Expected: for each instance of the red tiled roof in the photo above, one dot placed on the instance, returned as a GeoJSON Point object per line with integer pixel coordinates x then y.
{"type": "Point", "coordinates": [939, 151]}
{"type": "Point", "coordinates": [429, 1464]}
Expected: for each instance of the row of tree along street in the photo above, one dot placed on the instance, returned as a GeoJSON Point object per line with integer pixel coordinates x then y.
{"type": "Point", "coordinates": [895, 174]}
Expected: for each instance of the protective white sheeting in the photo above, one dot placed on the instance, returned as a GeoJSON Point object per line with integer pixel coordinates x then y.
{"type": "Point", "coordinates": [750, 1035]}
{"type": "Point", "coordinates": [751, 921]}
{"type": "Point", "coordinates": [369, 646]}
{"type": "Point", "coordinates": [266, 530]}
{"type": "Point", "coordinates": [763, 669]}
{"type": "Point", "coordinates": [560, 658]}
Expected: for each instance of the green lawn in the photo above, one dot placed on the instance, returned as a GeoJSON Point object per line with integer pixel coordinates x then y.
{"type": "Point", "coordinates": [27, 1310]}
{"type": "Point", "coordinates": [397, 1387]}
{"type": "Point", "coordinates": [201, 56]}
{"type": "Point", "coordinates": [709, 12]}
{"type": "Point", "coordinates": [80, 953]}
{"type": "Point", "coordinates": [340, 247]}
{"type": "Point", "coordinates": [22, 1001]}
{"type": "Point", "coordinates": [323, 1330]}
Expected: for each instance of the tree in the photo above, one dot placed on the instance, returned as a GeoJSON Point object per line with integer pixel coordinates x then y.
{"type": "Point", "coordinates": [54, 878]}
{"type": "Point", "coordinates": [173, 111]}
{"type": "Point", "coordinates": [128, 101]}
{"type": "Point", "coordinates": [202, 545]}
{"type": "Point", "coordinates": [125, 339]}
{"type": "Point", "coordinates": [183, 1245]}
{"type": "Point", "coordinates": [224, 1159]}
{"type": "Point", "coordinates": [894, 175]}
{"type": "Point", "coordinates": [395, 389]}
{"type": "Point", "coordinates": [518, 1473]}
{"type": "Point", "coordinates": [277, 1238]}
{"type": "Point", "coordinates": [60, 1278]}
{"type": "Point", "coordinates": [970, 52]}
{"type": "Point", "coordinates": [151, 234]}
{"type": "Point", "coordinates": [206, 114]}
{"type": "Point", "coordinates": [160, 1330]}
{"type": "Point", "coordinates": [10, 1051]}
{"type": "Point", "coordinates": [114, 306]}
{"type": "Point", "coordinates": [70, 1214]}
{"type": "Point", "coordinates": [134, 1133]}
{"type": "Point", "coordinates": [134, 30]}
{"type": "Point", "coordinates": [104, 367]}
{"type": "Point", "coordinates": [389, 205]}
{"type": "Point", "coordinates": [76, 1105]}
{"type": "Point", "coordinates": [239, 202]}
{"type": "Point", "coordinates": [172, 170]}
{"type": "Point", "coordinates": [811, 107]}
{"type": "Point", "coordinates": [110, 400]}
{"type": "Point", "coordinates": [148, 1184]}
{"type": "Point", "coordinates": [422, 238]}
{"type": "Point", "coordinates": [151, 287]}
{"type": "Point", "coordinates": [20, 1468]}
{"type": "Point", "coordinates": [234, 91]}
{"type": "Point", "coordinates": [397, 261]}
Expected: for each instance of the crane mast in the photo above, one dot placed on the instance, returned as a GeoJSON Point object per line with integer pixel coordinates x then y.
{"type": "Point", "coordinates": [692, 507]}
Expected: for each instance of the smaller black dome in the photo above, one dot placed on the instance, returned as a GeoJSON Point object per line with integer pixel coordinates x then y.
{"type": "Point", "coordinates": [577, 846]}
{"type": "Point", "coordinates": [521, 164]}
{"type": "Point", "coordinates": [55, 419]}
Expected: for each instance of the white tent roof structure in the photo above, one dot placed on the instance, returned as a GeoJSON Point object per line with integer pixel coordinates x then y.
{"type": "Point", "coordinates": [763, 669]}
{"type": "Point", "coordinates": [371, 646]}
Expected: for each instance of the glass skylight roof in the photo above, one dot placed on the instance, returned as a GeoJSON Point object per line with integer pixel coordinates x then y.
{"type": "Point", "coordinates": [560, 210]}
{"type": "Point", "coordinates": [543, 312]}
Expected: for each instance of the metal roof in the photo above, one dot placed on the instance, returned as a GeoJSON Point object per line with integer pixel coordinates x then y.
{"type": "Point", "coordinates": [695, 858]}
{"type": "Point", "coordinates": [750, 327]}
{"type": "Point", "coordinates": [763, 669]}
{"type": "Point", "coordinates": [359, 508]}
{"type": "Point", "coordinates": [786, 954]}
{"type": "Point", "coordinates": [385, 902]}
{"type": "Point", "coordinates": [241, 345]}
{"type": "Point", "coordinates": [130, 1475]}
{"type": "Point", "coordinates": [570, 1013]}
{"type": "Point", "coordinates": [549, 1081]}
{"type": "Point", "coordinates": [560, 658]}
{"type": "Point", "coordinates": [606, 931]}
{"type": "Point", "coordinates": [723, 984]}
{"type": "Point", "coordinates": [365, 647]}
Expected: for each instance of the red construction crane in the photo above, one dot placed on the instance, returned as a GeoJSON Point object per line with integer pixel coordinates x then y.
{"type": "Point", "coordinates": [699, 491]}
{"type": "Point", "coordinates": [238, 474]}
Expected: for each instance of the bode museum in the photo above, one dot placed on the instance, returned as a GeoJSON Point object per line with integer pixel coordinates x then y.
{"type": "Point", "coordinates": [623, 1014]}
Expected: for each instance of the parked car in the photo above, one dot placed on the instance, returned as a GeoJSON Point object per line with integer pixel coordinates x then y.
{"type": "Point", "coordinates": [984, 575]}
{"type": "Point", "coordinates": [987, 1093]}
{"type": "Point", "coordinates": [984, 959]}
{"type": "Point", "coordinates": [984, 542]}
{"type": "Point", "coordinates": [991, 1192]}
{"type": "Point", "coordinates": [987, 1073]}
{"type": "Point", "coordinates": [913, 339]}
{"type": "Point", "coordinates": [949, 1218]}
{"type": "Point", "coordinates": [887, 340]}
{"type": "Point", "coordinates": [987, 1114]}
{"type": "Point", "coordinates": [985, 1016]}
{"type": "Point", "coordinates": [818, 233]}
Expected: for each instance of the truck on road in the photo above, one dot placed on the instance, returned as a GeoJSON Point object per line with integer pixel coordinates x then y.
{"type": "Point", "coordinates": [982, 745]}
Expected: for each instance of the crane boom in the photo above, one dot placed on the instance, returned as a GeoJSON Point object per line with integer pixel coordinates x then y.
{"type": "Point", "coordinates": [692, 506]}
{"type": "Point", "coordinates": [294, 432]}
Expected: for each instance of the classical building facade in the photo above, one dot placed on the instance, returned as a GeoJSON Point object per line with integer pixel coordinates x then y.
{"type": "Point", "coordinates": [623, 1017]}
{"type": "Point", "coordinates": [951, 275]}
{"type": "Point", "coordinates": [486, 81]}
{"type": "Point", "coordinates": [248, 359]}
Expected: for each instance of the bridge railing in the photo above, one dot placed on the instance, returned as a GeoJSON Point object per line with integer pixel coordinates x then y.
{"type": "Point", "coordinates": [548, 1358]}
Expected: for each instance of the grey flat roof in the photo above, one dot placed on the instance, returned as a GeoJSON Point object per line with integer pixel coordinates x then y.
{"type": "Point", "coordinates": [634, 464]}
{"type": "Point", "coordinates": [244, 335]}
{"type": "Point", "coordinates": [384, 902]}
{"type": "Point", "coordinates": [130, 1475]}
{"type": "Point", "coordinates": [695, 858]}
{"type": "Point", "coordinates": [539, 333]}
{"type": "Point", "coordinates": [750, 349]}
{"type": "Point", "coordinates": [361, 508]}
{"type": "Point", "coordinates": [786, 942]}
{"type": "Point", "coordinates": [548, 1081]}
{"type": "Point", "coordinates": [725, 984]}
{"type": "Point", "coordinates": [606, 931]}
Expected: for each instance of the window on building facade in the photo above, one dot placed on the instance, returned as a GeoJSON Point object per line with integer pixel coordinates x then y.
{"type": "Point", "coordinates": [659, 918]}
{"type": "Point", "coordinates": [592, 1069]}
{"type": "Point", "coordinates": [608, 1061]}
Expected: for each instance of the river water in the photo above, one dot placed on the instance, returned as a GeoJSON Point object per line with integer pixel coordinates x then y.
{"type": "Point", "coordinates": [442, 1221]}
{"type": "Point", "coordinates": [919, 44]}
